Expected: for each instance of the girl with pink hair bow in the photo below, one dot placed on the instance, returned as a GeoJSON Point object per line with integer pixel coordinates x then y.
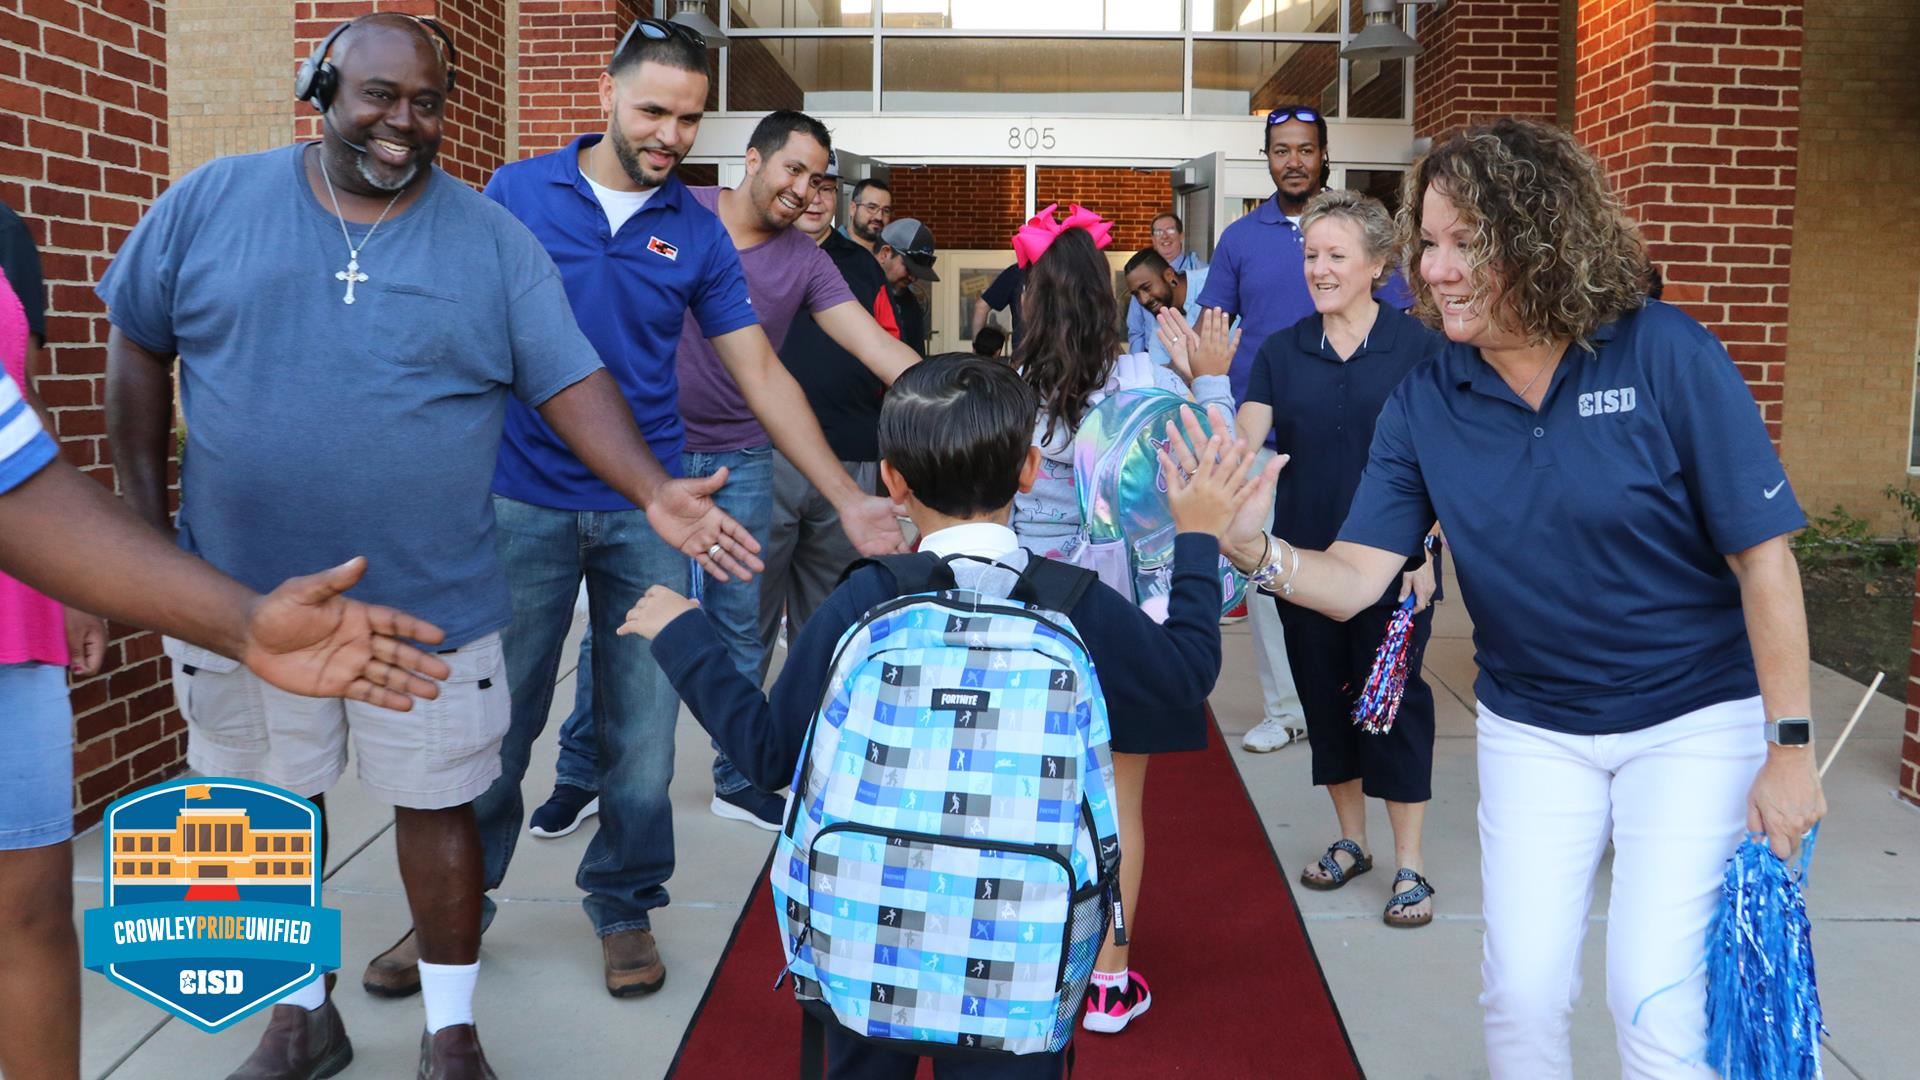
{"type": "Point", "coordinates": [1073, 354]}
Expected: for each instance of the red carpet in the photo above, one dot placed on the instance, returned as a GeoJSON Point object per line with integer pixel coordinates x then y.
{"type": "Point", "coordinates": [1237, 989]}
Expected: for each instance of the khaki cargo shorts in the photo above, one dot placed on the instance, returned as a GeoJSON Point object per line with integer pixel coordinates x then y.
{"type": "Point", "coordinates": [441, 753]}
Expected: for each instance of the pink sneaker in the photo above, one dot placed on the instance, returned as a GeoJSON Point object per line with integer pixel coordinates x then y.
{"type": "Point", "coordinates": [1110, 1009]}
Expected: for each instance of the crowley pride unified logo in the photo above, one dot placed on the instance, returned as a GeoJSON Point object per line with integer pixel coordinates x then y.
{"type": "Point", "coordinates": [212, 890]}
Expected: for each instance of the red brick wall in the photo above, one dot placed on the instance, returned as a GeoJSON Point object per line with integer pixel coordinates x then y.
{"type": "Point", "coordinates": [966, 206]}
{"type": "Point", "coordinates": [1694, 109]}
{"type": "Point", "coordinates": [83, 151]}
{"type": "Point", "coordinates": [1487, 58]}
{"type": "Point", "coordinates": [1910, 746]}
{"type": "Point", "coordinates": [564, 45]}
{"type": "Point", "coordinates": [1130, 198]}
{"type": "Point", "coordinates": [474, 140]}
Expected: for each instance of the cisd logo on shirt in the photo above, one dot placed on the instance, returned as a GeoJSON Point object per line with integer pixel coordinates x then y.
{"type": "Point", "coordinates": [1608, 401]}
{"type": "Point", "coordinates": [212, 891]}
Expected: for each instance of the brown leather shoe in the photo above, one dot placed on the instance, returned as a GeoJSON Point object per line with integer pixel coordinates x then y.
{"type": "Point", "coordinates": [633, 963]}
{"type": "Point", "coordinates": [396, 972]}
{"type": "Point", "coordinates": [299, 1045]}
{"type": "Point", "coordinates": [453, 1053]}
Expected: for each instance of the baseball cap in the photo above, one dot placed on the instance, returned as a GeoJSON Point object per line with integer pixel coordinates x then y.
{"type": "Point", "coordinates": [833, 163]}
{"type": "Point", "coordinates": [914, 242]}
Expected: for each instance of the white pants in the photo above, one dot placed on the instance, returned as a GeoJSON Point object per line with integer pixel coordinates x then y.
{"type": "Point", "coordinates": [1282, 701]}
{"type": "Point", "coordinates": [1673, 798]}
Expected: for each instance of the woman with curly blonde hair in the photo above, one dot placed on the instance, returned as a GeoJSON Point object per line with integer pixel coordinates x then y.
{"type": "Point", "coordinates": [1618, 521]}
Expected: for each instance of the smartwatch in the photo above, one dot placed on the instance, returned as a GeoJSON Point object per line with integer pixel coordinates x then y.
{"type": "Point", "coordinates": [1790, 731]}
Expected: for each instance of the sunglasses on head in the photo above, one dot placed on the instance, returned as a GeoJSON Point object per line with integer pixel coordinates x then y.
{"type": "Point", "coordinates": [658, 30]}
{"type": "Point", "coordinates": [1298, 112]}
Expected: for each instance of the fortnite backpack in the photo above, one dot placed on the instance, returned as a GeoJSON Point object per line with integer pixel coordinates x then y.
{"type": "Point", "coordinates": [1126, 526]}
{"type": "Point", "coordinates": [950, 856]}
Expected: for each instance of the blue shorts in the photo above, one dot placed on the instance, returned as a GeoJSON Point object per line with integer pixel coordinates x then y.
{"type": "Point", "coordinates": [36, 757]}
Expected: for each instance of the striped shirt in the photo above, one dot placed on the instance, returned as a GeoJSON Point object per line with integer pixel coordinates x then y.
{"type": "Point", "coordinates": [25, 449]}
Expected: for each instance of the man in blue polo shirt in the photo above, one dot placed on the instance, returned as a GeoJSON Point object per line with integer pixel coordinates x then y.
{"type": "Point", "coordinates": [1258, 273]}
{"type": "Point", "coordinates": [636, 255]}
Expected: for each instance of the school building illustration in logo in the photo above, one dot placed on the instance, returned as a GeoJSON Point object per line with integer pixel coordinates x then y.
{"type": "Point", "coordinates": [212, 899]}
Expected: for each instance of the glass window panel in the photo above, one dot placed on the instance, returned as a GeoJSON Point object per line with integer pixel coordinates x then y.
{"type": "Point", "coordinates": [1156, 15]}
{"type": "Point", "coordinates": [814, 74]}
{"type": "Point", "coordinates": [1246, 78]}
{"type": "Point", "coordinates": [1030, 75]}
{"type": "Point", "coordinates": [1382, 184]}
{"type": "Point", "coordinates": [783, 14]}
{"type": "Point", "coordinates": [1267, 16]}
{"type": "Point", "coordinates": [1377, 89]}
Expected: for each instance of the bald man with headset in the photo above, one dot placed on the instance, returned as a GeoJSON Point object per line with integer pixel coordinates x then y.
{"type": "Point", "coordinates": [349, 323]}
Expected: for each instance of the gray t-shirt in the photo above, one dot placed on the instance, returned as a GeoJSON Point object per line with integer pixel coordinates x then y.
{"type": "Point", "coordinates": [318, 430]}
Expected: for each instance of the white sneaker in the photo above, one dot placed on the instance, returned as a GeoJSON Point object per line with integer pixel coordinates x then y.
{"type": "Point", "coordinates": [1271, 735]}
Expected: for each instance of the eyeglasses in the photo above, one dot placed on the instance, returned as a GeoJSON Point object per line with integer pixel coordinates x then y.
{"type": "Point", "coordinates": [1166, 232]}
{"type": "Point", "coordinates": [658, 30]}
{"type": "Point", "coordinates": [875, 208]}
{"type": "Point", "coordinates": [1297, 112]}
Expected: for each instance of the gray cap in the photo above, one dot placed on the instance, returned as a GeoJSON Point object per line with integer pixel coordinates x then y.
{"type": "Point", "coordinates": [914, 242]}
{"type": "Point", "coordinates": [833, 163]}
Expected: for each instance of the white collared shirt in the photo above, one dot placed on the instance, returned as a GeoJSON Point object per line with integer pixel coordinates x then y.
{"type": "Point", "coordinates": [980, 539]}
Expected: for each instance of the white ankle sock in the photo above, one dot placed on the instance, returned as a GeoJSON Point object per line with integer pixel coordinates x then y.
{"type": "Point", "coordinates": [447, 990]}
{"type": "Point", "coordinates": [1114, 979]}
{"type": "Point", "coordinates": [309, 997]}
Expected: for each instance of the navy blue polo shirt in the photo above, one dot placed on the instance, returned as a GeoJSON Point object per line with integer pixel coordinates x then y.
{"type": "Point", "coordinates": [630, 292]}
{"type": "Point", "coordinates": [1323, 413]}
{"type": "Point", "coordinates": [1590, 537]}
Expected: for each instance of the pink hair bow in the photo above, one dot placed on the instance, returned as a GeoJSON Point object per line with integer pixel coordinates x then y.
{"type": "Point", "coordinates": [1038, 234]}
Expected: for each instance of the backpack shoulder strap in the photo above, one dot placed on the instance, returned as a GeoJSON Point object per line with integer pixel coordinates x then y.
{"type": "Point", "coordinates": [916, 572]}
{"type": "Point", "coordinates": [1052, 584]}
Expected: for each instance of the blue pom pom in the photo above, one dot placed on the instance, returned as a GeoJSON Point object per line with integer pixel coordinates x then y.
{"type": "Point", "coordinates": [1763, 1001]}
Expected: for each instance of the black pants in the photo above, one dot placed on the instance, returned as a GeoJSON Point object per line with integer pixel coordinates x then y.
{"type": "Point", "coordinates": [849, 1058]}
{"type": "Point", "coordinates": [1331, 661]}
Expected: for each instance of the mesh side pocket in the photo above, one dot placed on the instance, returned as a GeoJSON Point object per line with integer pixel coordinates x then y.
{"type": "Point", "coordinates": [1089, 925]}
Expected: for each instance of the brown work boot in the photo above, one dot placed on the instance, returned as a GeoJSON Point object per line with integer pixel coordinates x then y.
{"type": "Point", "coordinates": [299, 1045]}
{"type": "Point", "coordinates": [453, 1053]}
{"type": "Point", "coordinates": [396, 972]}
{"type": "Point", "coordinates": [633, 963]}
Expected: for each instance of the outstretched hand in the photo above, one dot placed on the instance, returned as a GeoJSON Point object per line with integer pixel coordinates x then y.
{"type": "Point", "coordinates": [684, 514]}
{"type": "Point", "coordinates": [657, 607]}
{"type": "Point", "coordinates": [306, 638]}
{"type": "Point", "coordinates": [1208, 486]}
{"type": "Point", "coordinates": [1216, 339]}
{"type": "Point", "coordinates": [873, 524]}
{"type": "Point", "coordinates": [1247, 530]}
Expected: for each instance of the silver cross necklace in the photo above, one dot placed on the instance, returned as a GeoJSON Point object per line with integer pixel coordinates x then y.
{"type": "Point", "coordinates": [352, 274]}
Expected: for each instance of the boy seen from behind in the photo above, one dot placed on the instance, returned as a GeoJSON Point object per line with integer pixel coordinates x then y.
{"type": "Point", "coordinates": [955, 444]}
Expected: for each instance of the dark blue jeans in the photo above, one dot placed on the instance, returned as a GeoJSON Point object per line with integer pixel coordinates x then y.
{"type": "Point", "coordinates": [546, 552]}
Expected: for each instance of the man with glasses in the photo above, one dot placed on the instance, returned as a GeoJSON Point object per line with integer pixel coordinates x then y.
{"type": "Point", "coordinates": [906, 254]}
{"type": "Point", "coordinates": [636, 254]}
{"type": "Point", "coordinates": [868, 212]}
{"type": "Point", "coordinates": [1258, 274]}
{"type": "Point", "coordinates": [1170, 242]}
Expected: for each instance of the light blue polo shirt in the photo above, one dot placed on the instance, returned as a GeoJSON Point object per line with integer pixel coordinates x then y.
{"type": "Point", "coordinates": [1259, 272]}
{"type": "Point", "coordinates": [631, 292]}
{"type": "Point", "coordinates": [1591, 537]}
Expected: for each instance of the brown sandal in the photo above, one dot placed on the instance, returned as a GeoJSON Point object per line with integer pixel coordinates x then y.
{"type": "Point", "coordinates": [1336, 877]}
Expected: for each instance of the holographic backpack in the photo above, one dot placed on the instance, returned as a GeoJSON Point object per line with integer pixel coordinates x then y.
{"type": "Point", "coordinates": [1126, 527]}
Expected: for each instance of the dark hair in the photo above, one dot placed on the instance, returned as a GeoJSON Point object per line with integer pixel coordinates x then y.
{"type": "Point", "coordinates": [775, 128]}
{"type": "Point", "coordinates": [1072, 318]}
{"type": "Point", "coordinates": [872, 182]}
{"type": "Point", "coordinates": [957, 428]}
{"type": "Point", "coordinates": [1177, 223]}
{"type": "Point", "coordinates": [1155, 262]}
{"type": "Point", "coordinates": [1319, 125]}
{"type": "Point", "coordinates": [674, 51]}
{"type": "Point", "coordinates": [989, 341]}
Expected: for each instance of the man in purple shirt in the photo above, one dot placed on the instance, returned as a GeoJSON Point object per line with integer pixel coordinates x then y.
{"type": "Point", "coordinates": [1259, 274]}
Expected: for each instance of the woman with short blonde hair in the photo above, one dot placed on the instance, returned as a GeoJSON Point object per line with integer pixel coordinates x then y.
{"type": "Point", "coordinates": [1619, 521]}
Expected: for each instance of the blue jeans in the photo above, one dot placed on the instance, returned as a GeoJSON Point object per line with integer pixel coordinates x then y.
{"type": "Point", "coordinates": [546, 552]}
{"type": "Point", "coordinates": [578, 754]}
{"type": "Point", "coordinates": [733, 607]}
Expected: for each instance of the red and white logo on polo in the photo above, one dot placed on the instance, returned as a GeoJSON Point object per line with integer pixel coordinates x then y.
{"type": "Point", "coordinates": [661, 247]}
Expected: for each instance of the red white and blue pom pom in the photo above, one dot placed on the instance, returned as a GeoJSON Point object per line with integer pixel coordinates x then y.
{"type": "Point", "coordinates": [1379, 700]}
{"type": "Point", "coordinates": [1763, 1001]}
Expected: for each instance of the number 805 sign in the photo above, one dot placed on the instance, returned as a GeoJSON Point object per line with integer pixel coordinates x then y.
{"type": "Point", "coordinates": [1030, 138]}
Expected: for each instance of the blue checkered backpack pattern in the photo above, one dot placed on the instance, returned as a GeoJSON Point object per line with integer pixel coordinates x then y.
{"type": "Point", "coordinates": [950, 855]}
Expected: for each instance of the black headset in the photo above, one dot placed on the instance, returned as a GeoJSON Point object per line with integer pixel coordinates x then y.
{"type": "Point", "coordinates": [319, 79]}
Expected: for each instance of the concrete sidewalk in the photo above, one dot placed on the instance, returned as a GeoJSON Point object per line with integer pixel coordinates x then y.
{"type": "Point", "coordinates": [1408, 997]}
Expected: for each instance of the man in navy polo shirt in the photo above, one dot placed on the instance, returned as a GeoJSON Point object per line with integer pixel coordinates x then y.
{"type": "Point", "coordinates": [1258, 273]}
{"type": "Point", "coordinates": [636, 254]}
